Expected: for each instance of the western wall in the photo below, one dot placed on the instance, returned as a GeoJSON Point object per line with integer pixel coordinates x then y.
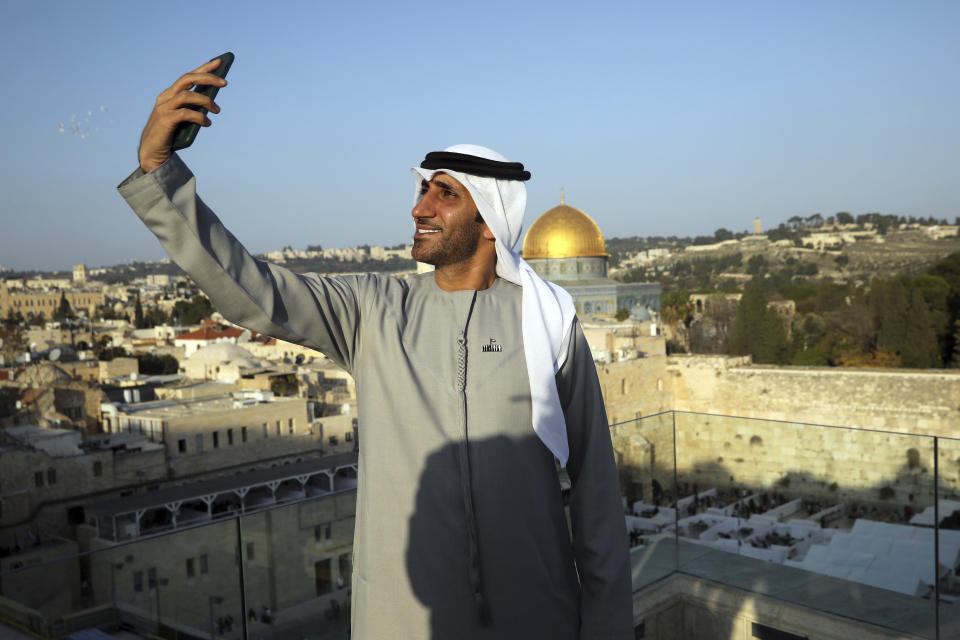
{"type": "Point", "coordinates": [865, 455]}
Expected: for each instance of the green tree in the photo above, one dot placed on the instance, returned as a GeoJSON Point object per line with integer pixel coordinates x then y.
{"type": "Point", "coordinates": [830, 296]}
{"type": "Point", "coordinates": [154, 317]}
{"type": "Point", "coordinates": [109, 353]}
{"type": "Point", "coordinates": [157, 365]}
{"type": "Point", "coordinates": [844, 218]}
{"type": "Point", "coordinates": [138, 321]}
{"type": "Point", "coordinates": [921, 349]}
{"type": "Point", "coordinates": [722, 234]}
{"type": "Point", "coordinates": [285, 385]}
{"type": "Point", "coordinates": [889, 304]}
{"type": "Point", "coordinates": [756, 264]}
{"type": "Point", "coordinates": [194, 311]}
{"type": "Point", "coordinates": [675, 307]}
{"type": "Point", "coordinates": [621, 315]}
{"type": "Point", "coordinates": [757, 330]}
{"type": "Point", "coordinates": [63, 312]}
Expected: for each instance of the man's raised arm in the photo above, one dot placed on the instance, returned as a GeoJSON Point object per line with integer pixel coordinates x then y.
{"type": "Point", "coordinates": [322, 313]}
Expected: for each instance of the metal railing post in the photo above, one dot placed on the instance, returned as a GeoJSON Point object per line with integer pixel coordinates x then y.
{"type": "Point", "coordinates": [243, 584]}
{"type": "Point", "coordinates": [936, 535]}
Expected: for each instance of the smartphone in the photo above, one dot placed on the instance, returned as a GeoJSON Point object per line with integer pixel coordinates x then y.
{"type": "Point", "coordinates": [186, 132]}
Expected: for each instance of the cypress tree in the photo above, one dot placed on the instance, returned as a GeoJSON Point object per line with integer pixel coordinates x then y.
{"type": "Point", "coordinates": [64, 311]}
{"type": "Point", "coordinates": [920, 347]}
{"type": "Point", "coordinates": [757, 330]}
{"type": "Point", "coordinates": [138, 314]}
{"type": "Point", "coordinates": [892, 315]}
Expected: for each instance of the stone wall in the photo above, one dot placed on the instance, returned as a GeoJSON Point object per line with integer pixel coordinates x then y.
{"type": "Point", "coordinates": [924, 402]}
{"type": "Point", "coordinates": [781, 443]}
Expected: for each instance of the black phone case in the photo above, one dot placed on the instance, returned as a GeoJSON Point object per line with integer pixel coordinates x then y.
{"type": "Point", "coordinates": [186, 132]}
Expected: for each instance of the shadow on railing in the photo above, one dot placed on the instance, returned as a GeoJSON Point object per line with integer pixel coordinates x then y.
{"type": "Point", "coordinates": [830, 519]}
{"type": "Point", "coordinates": [280, 571]}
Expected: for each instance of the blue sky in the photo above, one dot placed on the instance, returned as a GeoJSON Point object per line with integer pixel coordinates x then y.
{"type": "Point", "coordinates": [656, 118]}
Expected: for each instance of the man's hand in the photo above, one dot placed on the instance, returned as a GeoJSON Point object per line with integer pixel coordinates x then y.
{"type": "Point", "coordinates": [171, 109]}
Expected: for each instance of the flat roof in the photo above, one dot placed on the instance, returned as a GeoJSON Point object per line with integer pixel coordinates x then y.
{"type": "Point", "coordinates": [179, 408]}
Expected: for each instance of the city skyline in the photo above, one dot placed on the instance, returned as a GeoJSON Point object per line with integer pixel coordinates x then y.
{"type": "Point", "coordinates": [655, 120]}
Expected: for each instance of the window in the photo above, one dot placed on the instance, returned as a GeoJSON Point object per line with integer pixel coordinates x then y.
{"type": "Point", "coordinates": [51, 476]}
{"type": "Point", "coordinates": [152, 577]}
{"type": "Point", "coordinates": [250, 554]}
{"type": "Point", "coordinates": [265, 434]}
{"type": "Point", "coordinates": [278, 427]}
{"type": "Point", "coordinates": [322, 531]}
{"type": "Point", "coordinates": [216, 439]}
{"type": "Point", "coordinates": [348, 436]}
{"type": "Point", "coordinates": [243, 434]}
{"type": "Point", "coordinates": [190, 567]}
{"type": "Point", "coordinates": [98, 468]}
{"type": "Point", "coordinates": [230, 437]}
{"type": "Point", "coordinates": [203, 563]}
{"type": "Point", "coordinates": [138, 581]}
{"type": "Point", "coordinates": [198, 443]}
{"type": "Point", "coordinates": [333, 439]}
{"type": "Point", "coordinates": [290, 425]}
{"type": "Point", "coordinates": [38, 478]}
{"type": "Point", "coordinates": [182, 445]}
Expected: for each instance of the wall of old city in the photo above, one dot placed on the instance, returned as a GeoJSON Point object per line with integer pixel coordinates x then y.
{"type": "Point", "coordinates": [784, 447]}
{"type": "Point", "coordinates": [921, 402]}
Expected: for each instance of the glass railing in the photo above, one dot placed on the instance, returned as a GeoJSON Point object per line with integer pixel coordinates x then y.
{"type": "Point", "coordinates": [837, 520]}
{"type": "Point", "coordinates": [181, 584]}
{"type": "Point", "coordinates": [833, 520]}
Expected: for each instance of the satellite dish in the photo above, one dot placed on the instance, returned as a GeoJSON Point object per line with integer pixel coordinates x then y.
{"type": "Point", "coordinates": [54, 354]}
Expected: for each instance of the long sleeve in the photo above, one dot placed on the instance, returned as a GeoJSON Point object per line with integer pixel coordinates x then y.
{"type": "Point", "coordinates": [599, 529]}
{"type": "Point", "coordinates": [322, 313]}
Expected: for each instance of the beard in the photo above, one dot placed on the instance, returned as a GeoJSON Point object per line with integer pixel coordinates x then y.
{"type": "Point", "coordinates": [449, 246]}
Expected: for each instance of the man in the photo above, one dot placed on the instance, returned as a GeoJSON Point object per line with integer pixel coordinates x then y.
{"type": "Point", "coordinates": [472, 382]}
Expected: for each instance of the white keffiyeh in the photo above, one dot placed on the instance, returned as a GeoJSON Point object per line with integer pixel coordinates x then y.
{"type": "Point", "coordinates": [547, 309]}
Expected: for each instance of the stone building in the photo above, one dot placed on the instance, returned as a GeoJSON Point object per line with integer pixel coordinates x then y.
{"type": "Point", "coordinates": [186, 576]}
{"type": "Point", "coordinates": [31, 302]}
{"type": "Point", "coordinates": [218, 431]}
{"type": "Point", "coordinates": [565, 246]}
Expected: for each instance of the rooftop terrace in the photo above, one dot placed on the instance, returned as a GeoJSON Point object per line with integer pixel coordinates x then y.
{"type": "Point", "coordinates": [830, 537]}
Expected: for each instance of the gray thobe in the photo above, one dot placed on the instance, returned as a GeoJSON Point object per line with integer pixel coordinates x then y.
{"type": "Point", "coordinates": [455, 490]}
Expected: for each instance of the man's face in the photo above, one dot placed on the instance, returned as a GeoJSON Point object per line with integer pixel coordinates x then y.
{"type": "Point", "coordinates": [448, 230]}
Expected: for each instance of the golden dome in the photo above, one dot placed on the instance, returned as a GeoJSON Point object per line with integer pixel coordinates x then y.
{"type": "Point", "coordinates": [564, 232]}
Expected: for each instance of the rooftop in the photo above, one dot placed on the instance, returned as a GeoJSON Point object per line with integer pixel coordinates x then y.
{"type": "Point", "coordinates": [200, 406]}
